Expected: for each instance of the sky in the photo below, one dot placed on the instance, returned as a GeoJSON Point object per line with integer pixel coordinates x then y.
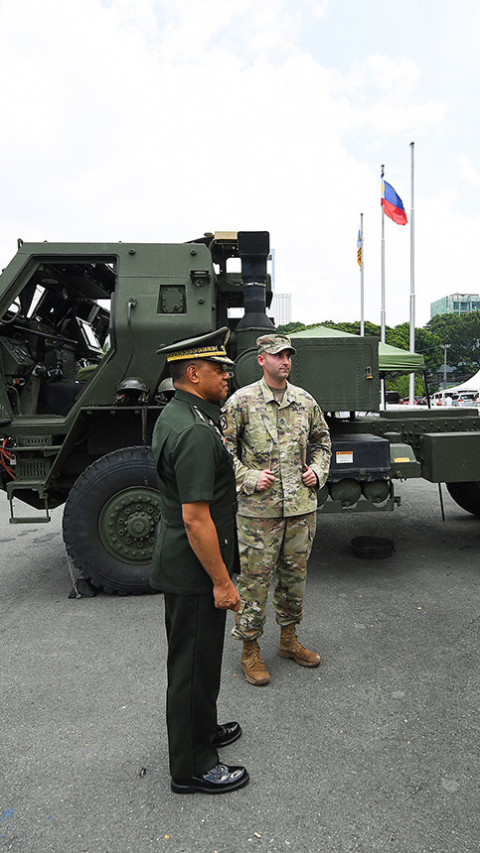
{"type": "Point", "coordinates": [157, 121]}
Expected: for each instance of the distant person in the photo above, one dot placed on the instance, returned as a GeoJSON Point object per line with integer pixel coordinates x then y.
{"type": "Point", "coordinates": [448, 401]}
{"type": "Point", "coordinates": [269, 427]}
{"type": "Point", "coordinates": [194, 557]}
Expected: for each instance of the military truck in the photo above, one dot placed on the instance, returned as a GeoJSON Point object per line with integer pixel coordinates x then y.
{"type": "Point", "coordinates": [81, 387]}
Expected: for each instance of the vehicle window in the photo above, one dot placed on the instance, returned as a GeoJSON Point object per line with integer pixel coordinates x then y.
{"type": "Point", "coordinates": [56, 327]}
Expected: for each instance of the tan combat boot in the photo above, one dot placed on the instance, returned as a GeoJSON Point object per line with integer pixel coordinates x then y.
{"type": "Point", "coordinates": [252, 664]}
{"type": "Point", "coordinates": [291, 648]}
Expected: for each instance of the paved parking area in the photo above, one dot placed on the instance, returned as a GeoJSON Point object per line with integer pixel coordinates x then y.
{"type": "Point", "coordinates": [377, 750]}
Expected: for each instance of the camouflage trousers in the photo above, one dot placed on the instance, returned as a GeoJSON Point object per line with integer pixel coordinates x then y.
{"type": "Point", "coordinates": [267, 546]}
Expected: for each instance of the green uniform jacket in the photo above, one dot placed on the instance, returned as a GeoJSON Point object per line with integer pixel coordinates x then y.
{"type": "Point", "coordinates": [192, 465]}
{"type": "Point", "coordinates": [261, 434]}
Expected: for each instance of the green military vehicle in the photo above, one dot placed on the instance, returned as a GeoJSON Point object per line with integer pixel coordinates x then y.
{"type": "Point", "coordinates": [81, 388]}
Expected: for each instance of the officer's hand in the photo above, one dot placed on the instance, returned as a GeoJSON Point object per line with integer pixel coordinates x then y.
{"type": "Point", "coordinates": [264, 480]}
{"type": "Point", "coordinates": [309, 477]}
{"type": "Point", "coordinates": [226, 596]}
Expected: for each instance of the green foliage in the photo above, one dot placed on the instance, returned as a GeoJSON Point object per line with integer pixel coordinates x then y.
{"type": "Point", "coordinates": [288, 328]}
{"type": "Point", "coordinates": [354, 328]}
{"type": "Point", "coordinates": [462, 332]}
{"type": "Point", "coordinates": [427, 343]}
{"type": "Point", "coordinates": [402, 385]}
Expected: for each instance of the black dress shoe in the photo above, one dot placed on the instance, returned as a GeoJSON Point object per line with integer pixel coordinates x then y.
{"type": "Point", "coordinates": [219, 780]}
{"type": "Point", "coordinates": [227, 733]}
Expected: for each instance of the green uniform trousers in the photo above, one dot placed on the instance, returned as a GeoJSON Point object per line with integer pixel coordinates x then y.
{"type": "Point", "coordinates": [195, 633]}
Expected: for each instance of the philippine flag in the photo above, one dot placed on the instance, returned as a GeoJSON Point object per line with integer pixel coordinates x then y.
{"type": "Point", "coordinates": [393, 204]}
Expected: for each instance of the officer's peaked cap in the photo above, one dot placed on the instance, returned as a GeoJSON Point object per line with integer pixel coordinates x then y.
{"type": "Point", "coordinates": [210, 347]}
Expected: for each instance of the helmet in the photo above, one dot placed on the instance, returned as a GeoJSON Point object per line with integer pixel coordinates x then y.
{"type": "Point", "coordinates": [165, 386]}
{"type": "Point", "coordinates": [131, 392]}
{"type": "Point", "coordinates": [165, 390]}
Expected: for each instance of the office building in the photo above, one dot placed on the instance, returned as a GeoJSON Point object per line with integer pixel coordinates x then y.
{"type": "Point", "coordinates": [281, 308]}
{"type": "Point", "coordinates": [456, 303]}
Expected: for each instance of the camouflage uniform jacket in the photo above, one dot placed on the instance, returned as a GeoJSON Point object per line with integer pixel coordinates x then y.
{"type": "Point", "coordinates": [261, 434]}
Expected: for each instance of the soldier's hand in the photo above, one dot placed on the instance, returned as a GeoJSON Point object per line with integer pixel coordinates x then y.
{"type": "Point", "coordinates": [226, 596]}
{"type": "Point", "coordinates": [264, 480]}
{"type": "Point", "coordinates": [309, 477]}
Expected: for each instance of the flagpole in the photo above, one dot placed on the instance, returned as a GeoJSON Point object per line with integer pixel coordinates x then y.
{"type": "Point", "coordinates": [382, 299]}
{"type": "Point", "coordinates": [362, 290]}
{"type": "Point", "coordinates": [412, 276]}
{"type": "Point", "coordinates": [382, 306]}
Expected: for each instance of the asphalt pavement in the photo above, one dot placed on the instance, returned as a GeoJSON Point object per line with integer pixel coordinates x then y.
{"type": "Point", "coordinates": [376, 750]}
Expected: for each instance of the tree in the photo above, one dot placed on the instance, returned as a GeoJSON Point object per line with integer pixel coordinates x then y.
{"type": "Point", "coordinates": [402, 385]}
{"type": "Point", "coordinates": [288, 328]}
{"type": "Point", "coordinates": [427, 343]}
{"type": "Point", "coordinates": [354, 328]}
{"type": "Point", "coordinates": [462, 333]}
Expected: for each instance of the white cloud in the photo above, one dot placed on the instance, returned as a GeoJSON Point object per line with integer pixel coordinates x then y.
{"type": "Point", "coordinates": [468, 171]}
{"type": "Point", "coordinates": [151, 121]}
{"type": "Point", "coordinates": [319, 8]}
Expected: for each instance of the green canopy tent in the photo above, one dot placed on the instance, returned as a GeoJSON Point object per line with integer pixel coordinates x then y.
{"type": "Point", "coordinates": [392, 360]}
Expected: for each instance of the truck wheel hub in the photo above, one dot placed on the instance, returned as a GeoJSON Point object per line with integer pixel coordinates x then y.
{"type": "Point", "coordinates": [140, 525]}
{"type": "Point", "coordinates": [128, 522]}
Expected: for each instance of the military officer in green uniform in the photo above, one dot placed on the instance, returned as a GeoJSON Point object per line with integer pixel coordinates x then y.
{"type": "Point", "coordinates": [194, 557]}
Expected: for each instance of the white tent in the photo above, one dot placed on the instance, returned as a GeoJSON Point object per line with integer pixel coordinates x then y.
{"type": "Point", "coordinates": [472, 385]}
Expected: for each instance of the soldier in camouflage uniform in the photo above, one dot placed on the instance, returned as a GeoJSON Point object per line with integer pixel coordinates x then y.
{"type": "Point", "coordinates": [267, 426]}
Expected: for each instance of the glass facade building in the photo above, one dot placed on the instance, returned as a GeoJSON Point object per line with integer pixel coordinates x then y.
{"type": "Point", "coordinates": [456, 303]}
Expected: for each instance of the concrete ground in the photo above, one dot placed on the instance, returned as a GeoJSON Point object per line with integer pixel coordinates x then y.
{"type": "Point", "coordinates": [376, 750]}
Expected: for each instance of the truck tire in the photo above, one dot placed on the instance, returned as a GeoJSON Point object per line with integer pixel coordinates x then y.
{"type": "Point", "coordinates": [466, 495]}
{"type": "Point", "coordinates": [110, 519]}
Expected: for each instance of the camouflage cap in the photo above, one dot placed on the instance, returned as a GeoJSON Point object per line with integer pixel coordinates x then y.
{"type": "Point", "coordinates": [210, 347]}
{"type": "Point", "coordinates": [274, 344]}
